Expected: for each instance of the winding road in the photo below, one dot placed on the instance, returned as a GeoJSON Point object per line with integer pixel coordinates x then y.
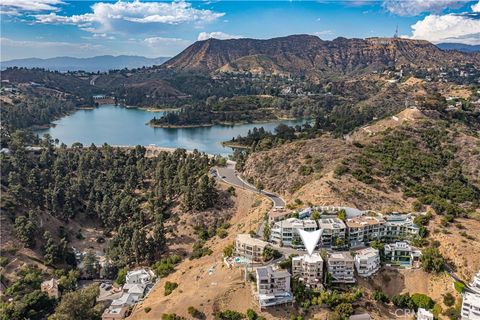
{"type": "Point", "coordinates": [228, 175]}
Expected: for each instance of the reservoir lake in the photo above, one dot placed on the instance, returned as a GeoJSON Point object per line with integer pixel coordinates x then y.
{"type": "Point", "coordinates": [127, 126]}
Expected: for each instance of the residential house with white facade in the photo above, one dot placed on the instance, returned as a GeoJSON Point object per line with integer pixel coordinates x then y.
{"type": "Point", "coordinates": [475, 284]}
{"type": "Point", "coordinates": [401, 253]}
{"type": "Point", "coordinates": [309, 270]}
{"type": "Point", "coordinates": [341, 267]}
{"type": "Point", "coordinates": [400, 226]}
{"type": "Point", "coordinates": [139, 276]}
{"type": "Point", "coordinates": [334, 231]}
{"type": "Point", "coordinates": [367, 262]}
{"type": "Point", "coordinates": [249, 248]}
{"type": "Point", "coordinates": [134, 289]}
{"type": "Point", "coordinates": [363, 229]}
{"type": "Point", "coordinates": [470, 306]}
{"type": "Point", "coordinates": [423, 314]}
{"type": "Point", "coordinates": [285, 232]}
{"type": "Point", "coordinates": [273, 286]}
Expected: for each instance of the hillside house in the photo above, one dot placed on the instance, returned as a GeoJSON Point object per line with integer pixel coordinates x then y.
{"type": "Point", "coordinates": [309, 270]}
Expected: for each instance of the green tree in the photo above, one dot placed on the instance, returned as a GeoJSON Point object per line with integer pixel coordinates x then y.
{"type": "Point", "coordinates": [51, 251]}
{"type": "Point", "coordinates": [228, 251]}
{"type": "Point", "coordinates": [266, 231]}
{"type": "Point", "coordinates": [90, 265]}
{"type": "Point", "coordinates": [432, 260]}
{"type": "Point", "coordinates": [25, 228]}
{"type": "Point", "coordinates": [79, 305]}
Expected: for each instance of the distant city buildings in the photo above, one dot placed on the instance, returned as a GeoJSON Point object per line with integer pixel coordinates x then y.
{"type": "Point", "coordinates": [367, 262]}
{"type": "Point", "coordinates": [309, 270]}
{"type": "Point", "coordinates": [340, 265]}
{"type": "Point", "coordinates": [273, 286]}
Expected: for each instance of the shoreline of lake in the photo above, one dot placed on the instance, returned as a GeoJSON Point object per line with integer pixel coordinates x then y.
{"type": "Point", "coordinates": [127, 127]}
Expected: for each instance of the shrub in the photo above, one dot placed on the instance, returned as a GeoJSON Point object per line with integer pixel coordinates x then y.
{"type": "Point", "coordinates": [169, 287]}
{"type": "Point", "coordinates": [171, 316]}
{"type": "Point", "coordinates": [228, 250]}
{"type": "Point", "coordinates": [147, 309]}
{"type": "Point", "coordinates": [380, 296]}
{"type": "Point", "coordinates": [121, 275]}
{"type": "Point", "coordinates": [452, 313]}
{"type": "Point", "coordinates": [166, 265]}
{"type": "Point", "coordinates": [422, 301]}
{"type": "Point", "coordinates": [345, 310]}
{"type": "Point", "coordinates": [251, 315]}
{"type": "Point", "coordinates": [195, 313]}
{"type": "Point", "coordinates": [459, 286]}
{"type": "Point", "coordinates": [269, 253]}
{"type": "Point", "coordinates": [448, 299]}
{"type": "Point", "coordinates": [229, 315]}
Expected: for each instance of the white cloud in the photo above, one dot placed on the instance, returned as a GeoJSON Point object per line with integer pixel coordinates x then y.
{"type": "Point", "coordinates": [476, 7]}
{"type": "Point", "coordinates": [217, 35]}
{"type": "Point", "coordinates": [154, 41]}
{"type": "Point", "coordinates": [463, 28]}
{"type": "Point", "coordinates": [14, 7]}
{"type": "Point", "coordinates": [323, 33]}
{"type": "Point", "coordinates": [43, 49]}
{"type": "Point", "coordinates": [118, 16]}
{"type": "Point", "coordinates": [416, 7]}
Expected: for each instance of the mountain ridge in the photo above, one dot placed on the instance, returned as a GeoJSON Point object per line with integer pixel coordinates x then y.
{"type": "Point", "coordinates": [308, 54]}
{"type": "Point", "coordinates": [91, 64]}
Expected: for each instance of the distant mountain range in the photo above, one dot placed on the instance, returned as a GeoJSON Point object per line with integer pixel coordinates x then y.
{"type": "Point", "coordinates": [93, 64]}
{"type": "Point", "coordinates": [459, 47]}
{"type": "Point", "coordinates": [310, 55]}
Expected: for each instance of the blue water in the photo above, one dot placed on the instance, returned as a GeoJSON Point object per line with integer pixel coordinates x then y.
{"type": "Point", "coordinates": [120, 126]}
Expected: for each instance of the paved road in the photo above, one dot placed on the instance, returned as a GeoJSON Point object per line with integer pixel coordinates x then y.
{"type": "Point", "coordinates": [228, 175]}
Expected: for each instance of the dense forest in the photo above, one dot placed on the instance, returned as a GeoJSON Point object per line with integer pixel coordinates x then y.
{"type": "Point", "coordinates": [31, 111]}
{"type": "Point", "coordinates": [241, 109]}
{"type": "Point", "coordinates": [128, 195]}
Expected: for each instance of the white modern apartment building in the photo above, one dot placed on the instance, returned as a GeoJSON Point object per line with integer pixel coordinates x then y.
{"type": "Point", "coordinates": [341, 266]}
{"type": "Point", "coordinates": [333, 232]}
{"type": "Point", "coordinates": [475, 285]}
{"type": "Point", "coordinates": [273, 286]}
{"type": "Point", "coordinates": [363, 229]}
{"type": "Point", "coordinates": [470, 306]}
{"type": "Point", "coordinates": [423, 314]}
{"type": "Point", "coordinates": [400, 226]}
{"type": "Point", "coordinates": [249, 248]}
{"type": "Point", "coordinates": [367, 261]}
{"type": "Point", "coordinates": [309, 270]}
{"type": "Point", "coordinates": [401, 253]}
{"type": "Point", "coordinates": [285, 232]}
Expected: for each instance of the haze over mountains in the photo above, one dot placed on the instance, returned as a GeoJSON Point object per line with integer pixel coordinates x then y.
{"type": "Point", "coordinates": [459, 46]}
{"type": "Point", "coordinates": [93, 64]}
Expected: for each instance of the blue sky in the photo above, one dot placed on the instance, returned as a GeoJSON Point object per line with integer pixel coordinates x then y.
{"type": "Point", "coordinates": [49, 28]}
